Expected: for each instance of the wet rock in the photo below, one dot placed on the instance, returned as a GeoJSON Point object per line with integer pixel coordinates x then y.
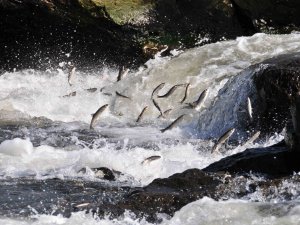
{"type": "Point", "coordinates": [40, 34]}
{"type": "Point", "coordinates": [194, 21]}
{"type": "Point", "coordinates": [270, 16]}
{"type": "Point", "coordinates": [277, 84]}
{"type": "Point", "coordinates": [274, 161]}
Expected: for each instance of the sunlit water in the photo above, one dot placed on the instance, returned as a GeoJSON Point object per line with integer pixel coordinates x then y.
{"type": "Point", "coordinates": [46, 135]}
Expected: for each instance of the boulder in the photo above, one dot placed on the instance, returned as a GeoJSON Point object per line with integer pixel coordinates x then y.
{"type": "Point", "coordinates": [281, 16]}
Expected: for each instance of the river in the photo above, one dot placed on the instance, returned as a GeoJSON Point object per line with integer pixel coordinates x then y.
{"type": "Point", "coordinates": [45, 134]}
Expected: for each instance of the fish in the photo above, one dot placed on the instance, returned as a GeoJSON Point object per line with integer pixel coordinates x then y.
{"type": "Point", "coordinates": [185, 93]}
{"type": "Point", "coordinates": [70, 94]}
{"type": "Point", "coordinates": [91, 90]}
{"type": "Point", "coordinates": [157, 89]}
{"type": "Point", "coordinates": [82, 205]}
{"type": "Point", "coordinates": [150, 159]}
{"type": "Point", "coordinates": [141, 114]}
{"type": "Point", "coordinates": [165, 113]}
{"type": "Point", "coordinates": [179, 119]}
{"type": "Point", "coordinates": [96, 115]}
{"type": "Point", "coordinates": [122, 96]}
{"type": "Point", "coordinates": [71, 75]}
{"type": "Point", "coordinates": [198, 103]}
{"type": "Point", "coordinates": [252, 138]}
{"type": "Point", "coordinates": [122, 73]}
{"type": "Point", "coordinates": [249, 108]}
{"type": "Point", "coordinates": [222, 139]}
{"type": "Point", "coordinates": [157, 106]}
{"type": "Point", "coordinates": [171, 91]}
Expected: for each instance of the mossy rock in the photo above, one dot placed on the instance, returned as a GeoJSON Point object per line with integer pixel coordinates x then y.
{"type": "Point", "coordinates": [126, 11]}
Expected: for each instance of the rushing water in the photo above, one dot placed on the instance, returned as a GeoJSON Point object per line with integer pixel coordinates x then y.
{"type": "Point", "coordinates": [46, 134]}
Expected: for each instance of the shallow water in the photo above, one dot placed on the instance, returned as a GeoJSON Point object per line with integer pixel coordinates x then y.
{"type": "Point", "coordinates": [46, 135]}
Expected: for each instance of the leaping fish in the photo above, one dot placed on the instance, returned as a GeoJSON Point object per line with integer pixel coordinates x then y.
{"type": "Point", "coordinates": [222, 139]}
{"type": "Point", "coordinates": [165, 113]}
{"type": "Point", "coordinates": [96, 115]}
{"type": "Point", "coordinates": [141, 114]}
{"type": "Point", "coordinates": [123, 96]}
{"type": "Point", "coordinates": [157, 106]}
{"type": "Point", "coordinates": [150, 159]}
{"type": "Point", "coordinates": [91, 90]}
{"type": "Point", "coordinates": [198, 103]}
{"type": "Point", "coordinates": [185, 93]}
{"type": "Point", "coordinates": [171, 91]}
{"type": "Point", "coordinates": [173, 124]}
{"type": "Point", "coordinates": [71, 75]}
{"type": "Point", "coordinates": [252, 138]}
{"type": "Point", "coordinates": [70, 94]}
{"type": "Point", "coordinates": [122, 73]}
{"type": "Point", "coordinates": [249, 108]}
{"type": "Point", "coordinates": [157, 89]}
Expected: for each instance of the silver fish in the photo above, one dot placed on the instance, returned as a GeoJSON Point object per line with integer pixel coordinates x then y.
{"type": "Point", "coordinates": [171, 91]}
{"type": "Point", "coordinates": [122, 73]}
{"type": "Point", "coordinates": [252, 138]}
{"type": "Point", "coordinates": [71, 75]}
{"type": "Point", "coordinates": [223, 139]}
{"type": "Point", "coordinates": [198, 103]}
{"type": "Point", "coordinates": [82, 205]}
{"type": "Point", "coordinates": [91, 90]}
{"type": "Point", "coordinates": [157, 89]}
{"type": "Point", "coordinates": [96, 115]}
{"type": "Point", "coordinates": [165, 113]}
{"type": "Point", "coordinates": [70, 94]}
{"type": "Point", "coordinates": [249, 108]}
{"type": "Point", "coordinates": [141, 114]}
{"type": "Point", "coordinates": [157, 106]}
{"type": "Point", "coordinates": [185, 93]}
{"type": "Point", "coordinates": [150, 159]}
{"type": "Point", "coordinates": [122, 96]}
{"type": "Point", "coordinates": [179, 119]}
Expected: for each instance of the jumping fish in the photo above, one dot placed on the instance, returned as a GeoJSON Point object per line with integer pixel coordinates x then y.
{"type": "Point", "coordinates": [150, 159]}
{"type": "Point", "coordinates": [70, 94]}
{"type": "Point", "coordinates": [122, 73]}
{"type": "Point", "coordinates": [82, 205]}
{"type": "Point", "coordinates": [157, 89]}
{"type": "Point", "coordinates": [71, 75]}
{"type": "Point", "coordinates": [96, 115]}
{"type": "Point", "coordinates": [91, 90]}
{"type": "Point", "coordinates": [249, 108]}
{"type": "Point", "coordinates": [141, 114]}
{"type": "Point", "coordinates": [123, 96]}
{"type": "Point", "coordinates": [252, 138]}
{"type": "Point", "coordinates": [171, 91]}
{"type": "Point", "coordinates": [185, 93]}
{"type": "Point", "coordinates": [223, 139]}
{"type": "Point", "coordinates": [165, 113]}
{"type": "Point", "coordinates": [157, 106]}
{"type": "Point", "coordinates": [198, 103]}
{"type": "Point", "coordinates": [179, 119]}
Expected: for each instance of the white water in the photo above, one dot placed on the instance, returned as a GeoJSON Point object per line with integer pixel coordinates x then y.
{"type": "Point", "coordinates": [30, 93]}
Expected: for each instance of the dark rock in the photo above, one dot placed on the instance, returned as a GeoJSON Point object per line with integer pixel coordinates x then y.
{"type": "Point", "coordinates": [39, 34]}
{"type": "Point", "coordinates": [189, 21]}
{"type": "Point", "coordinates": [274, 161]}
{"type": "Point", "coordinates": [280, 16]}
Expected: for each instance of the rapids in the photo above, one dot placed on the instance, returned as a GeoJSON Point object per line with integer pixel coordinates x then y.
{"type": "Point", "coordinates": [45, 134]}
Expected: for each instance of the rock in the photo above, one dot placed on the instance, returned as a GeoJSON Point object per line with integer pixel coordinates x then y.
{"type": "Point", "coordinates": [275, 161]}
{"type": "Point", "coordinates": [277, 84]}
{"type": "Point", "coordinates": [195, 22]}
{"type": "Point", "coordinates": [40, 34]}
{"type": "Point", "coordinates": [269, 15]}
